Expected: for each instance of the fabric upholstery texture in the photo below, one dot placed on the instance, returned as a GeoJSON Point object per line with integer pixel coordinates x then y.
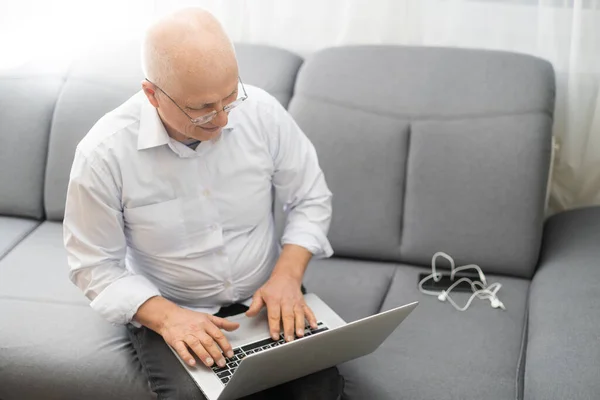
{"type": "Point", "coordinates": [475, 189]}
{"type": "Point", "coordinates": [55, 351]}
{"type": "Point", "coordinates": [408, 81]}
{"type": "Point", "coordinates": [390, 111]}
{"type": "Point", "coordinates": [53, 345]}
{"type": "Point", "coordinates": [563, 350]}
{"type": "Point", "coordinates": [354, 289]}
{"type": "Point", "coordinates": [441, 353]}
{"type": "Point", "coordinates": [26, 107]}
{"type": "Point", "coordinates": [12, 231]}
{"type": "Point", "coordinates": [277, 76]}
{"type": "Point", "coordinates": [36, 269]}
{"type": "Point", "coordinates": [363, 156]}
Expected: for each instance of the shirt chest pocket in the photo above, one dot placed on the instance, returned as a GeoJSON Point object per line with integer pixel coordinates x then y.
{"type": "Point", "coordinates": [180, 228]}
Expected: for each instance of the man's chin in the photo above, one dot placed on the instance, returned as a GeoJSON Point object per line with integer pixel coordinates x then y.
{"type": "Point", "coordinates": [207, 134]}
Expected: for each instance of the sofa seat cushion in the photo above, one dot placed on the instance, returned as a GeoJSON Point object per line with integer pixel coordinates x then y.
{"type": "Point", "coordinates": [441, 353]}
{"type": "Point", "coordinates": [36, 269]}
{"type": "Point", "coordinates": [353, 289]}
{"type": "Point", "coordinates": [65, 352]}
{"type": "Point", "coordinates": [52, 344]}
{"type": "Point", "coordinates": [12, 231]}
{"type": "Point", "coordinates": [563, 351]}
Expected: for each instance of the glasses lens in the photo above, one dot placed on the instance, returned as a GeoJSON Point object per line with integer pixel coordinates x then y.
{"type": "Point", "coordinates": [233, 105]}
{"type": "Point", "coordinates": [204, 118]}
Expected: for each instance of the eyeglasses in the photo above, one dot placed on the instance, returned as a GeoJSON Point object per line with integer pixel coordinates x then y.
{"type": "Point", "coordinates": [206, 118]}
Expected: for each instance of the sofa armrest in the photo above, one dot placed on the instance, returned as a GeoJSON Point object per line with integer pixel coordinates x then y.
{"type": "Point", "coordinates": [573, 237]}
{"type": "Point", "coordinates": [564, 310]}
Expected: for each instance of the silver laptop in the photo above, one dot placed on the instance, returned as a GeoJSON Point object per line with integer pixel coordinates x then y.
{"type": "Point", "coordinates": [259, 362]}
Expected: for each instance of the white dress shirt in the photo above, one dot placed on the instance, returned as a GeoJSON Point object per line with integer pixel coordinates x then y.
{"type": "Point", "coordinates": [147, 215]}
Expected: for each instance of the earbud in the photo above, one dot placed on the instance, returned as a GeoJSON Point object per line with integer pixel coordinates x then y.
{"type": "Point", "coordinates": [481, 290]}
{"type": "Point", "coordinates": [497, 303]}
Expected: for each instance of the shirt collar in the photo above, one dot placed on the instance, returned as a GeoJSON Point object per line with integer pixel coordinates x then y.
{"type": "Point", "coordinates": [152, 132]}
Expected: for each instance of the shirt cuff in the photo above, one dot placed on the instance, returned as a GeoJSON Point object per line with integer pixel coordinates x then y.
{"type": "Point", "coordinates": [120, 300]}
{"type": "Point", "coordinates": [314, 241]}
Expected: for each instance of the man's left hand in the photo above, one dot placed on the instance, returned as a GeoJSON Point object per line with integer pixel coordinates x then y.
{"type": "Point", "coordinates": [282, 295]}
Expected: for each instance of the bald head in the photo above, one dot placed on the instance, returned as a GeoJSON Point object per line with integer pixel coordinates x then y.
{"type": "Point", "coordinates": [189, 52]}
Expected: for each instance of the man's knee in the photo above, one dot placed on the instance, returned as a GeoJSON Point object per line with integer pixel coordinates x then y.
{"type": "Point", "coordinates": [179, 388]}
{"type": "Point", "coordinates": [327, 384]}
{"type": "Point", "coordinates": [188, 393]}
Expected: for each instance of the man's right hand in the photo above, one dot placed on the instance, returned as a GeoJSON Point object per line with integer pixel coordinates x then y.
{"type": "Point", "coordinates": [186, 330]}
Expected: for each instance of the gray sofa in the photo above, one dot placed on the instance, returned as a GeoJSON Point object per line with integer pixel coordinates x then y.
{"type": "Point", "coordinates": [424, 149]}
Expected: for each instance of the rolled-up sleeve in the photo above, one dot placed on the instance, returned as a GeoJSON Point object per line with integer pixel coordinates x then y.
{"type": "Point", "coordinates": [299, 184]}
{"type": "Point", "coordinates": [95, 242]}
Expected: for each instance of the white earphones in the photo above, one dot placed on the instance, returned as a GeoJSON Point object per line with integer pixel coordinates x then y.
{"type": "Point", "coordinates": [480, 288]}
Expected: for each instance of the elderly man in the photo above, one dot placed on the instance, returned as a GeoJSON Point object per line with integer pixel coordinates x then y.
{"type": "Point", "coordinates": [168, 224]}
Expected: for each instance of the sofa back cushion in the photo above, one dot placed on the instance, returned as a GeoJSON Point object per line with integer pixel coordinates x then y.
{"type": "Point", "coordinates": [431, 149]}
{"type": "Point", "coordinates": [269, 68]}
{"type": "Point", "coordinates": [100, 82]}
{"type": "Point", "coordinates": [27, 99]}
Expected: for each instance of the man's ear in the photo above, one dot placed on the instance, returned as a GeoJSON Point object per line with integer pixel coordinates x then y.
{"type": "Point", "coordinates": [150, 92]}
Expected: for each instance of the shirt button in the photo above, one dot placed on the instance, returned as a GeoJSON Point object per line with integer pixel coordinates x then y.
{"type": "Point", "coordinates": [214, 227]}
{"type": "Point", "coordinates": [227, 284]}
{"type": "Point", "coordinates": [206, 193]}
{"type": "Point", "coordinates": [220, 252]}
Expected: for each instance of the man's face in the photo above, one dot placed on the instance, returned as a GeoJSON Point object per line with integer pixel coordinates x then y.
{"type": "Point", "coordinates": [198, 98]}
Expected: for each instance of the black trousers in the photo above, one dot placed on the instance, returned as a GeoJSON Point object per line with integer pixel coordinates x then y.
{"type": "Point", "coordinates": [170, 381]}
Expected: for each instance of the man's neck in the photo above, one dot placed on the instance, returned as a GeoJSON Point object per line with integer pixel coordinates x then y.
{"type": "Point", "coordinates": [173, 133]}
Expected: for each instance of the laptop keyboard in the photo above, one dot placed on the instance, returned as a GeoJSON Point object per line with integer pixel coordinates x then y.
{"type": "Point", "coordinates": [239, 353]}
